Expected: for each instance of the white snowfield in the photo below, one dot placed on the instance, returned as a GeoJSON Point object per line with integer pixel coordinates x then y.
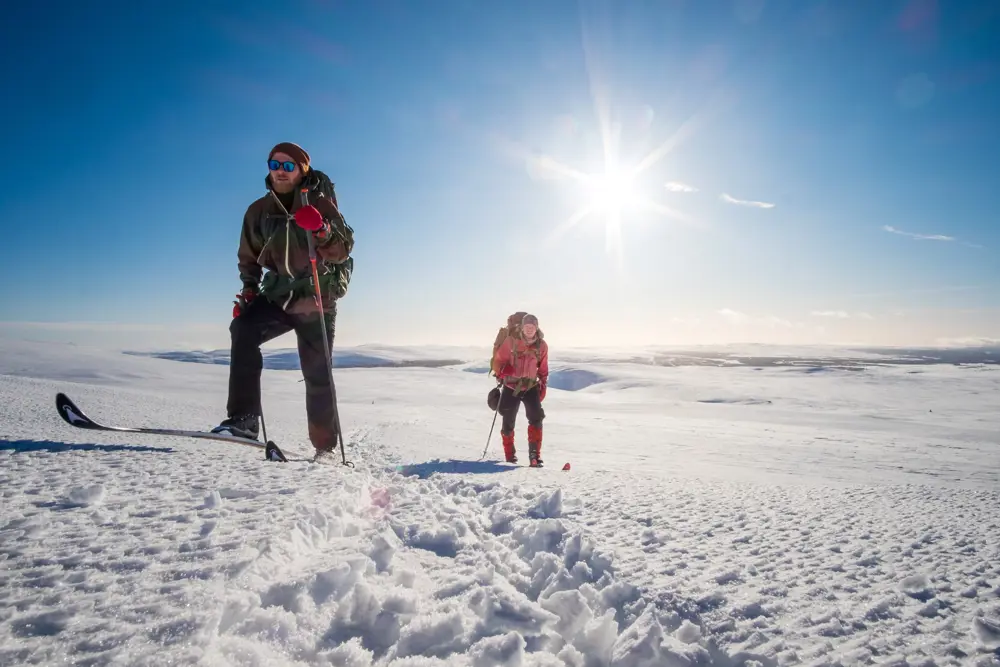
{"type": "Point", "coordinates": [712, 516]}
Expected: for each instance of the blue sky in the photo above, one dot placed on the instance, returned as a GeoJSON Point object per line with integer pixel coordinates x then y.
{"type": "Point", "coordinates": [833, 166]}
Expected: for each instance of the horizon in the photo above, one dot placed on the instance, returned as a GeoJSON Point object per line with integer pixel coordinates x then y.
{"type": "Point", "coordinates": [733, 173]}
{"type": "Point", "coordinates": [99, 338]}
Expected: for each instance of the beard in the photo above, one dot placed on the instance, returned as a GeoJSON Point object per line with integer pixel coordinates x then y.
{"type": "Point", "coordinates": [282, 187]}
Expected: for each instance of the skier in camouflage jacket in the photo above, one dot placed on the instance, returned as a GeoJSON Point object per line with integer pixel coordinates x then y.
{"type": "Point", "coordinates": [278, 295]}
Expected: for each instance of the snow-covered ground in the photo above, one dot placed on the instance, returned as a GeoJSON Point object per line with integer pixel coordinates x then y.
{"type": "Point", "coordinates": [803, 514]}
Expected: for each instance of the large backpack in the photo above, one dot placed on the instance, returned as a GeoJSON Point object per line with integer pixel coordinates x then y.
{"type": "Point", "coordinates": [338, 274]}
{"type": "Point", "coordinates": [512, 328]}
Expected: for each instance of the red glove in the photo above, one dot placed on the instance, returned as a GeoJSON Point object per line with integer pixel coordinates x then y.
{"type": "Point", "coordinates": [243, 300]}
{"type": "Point", "coordinates": [309, 217]}
{"type": "Point", "coordinates": [541, 391]}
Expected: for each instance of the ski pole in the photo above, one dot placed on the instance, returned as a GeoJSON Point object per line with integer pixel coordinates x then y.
{"type": "Point", "coordinates": [490, 436]}
{"type": "Point", "coordinates": [271, 451]}
{"type": "Point", "coordinates": [326, 341]}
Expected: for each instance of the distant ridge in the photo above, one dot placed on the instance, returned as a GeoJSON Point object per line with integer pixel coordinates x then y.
{"type": "Point", "coordinates": [473, 360]}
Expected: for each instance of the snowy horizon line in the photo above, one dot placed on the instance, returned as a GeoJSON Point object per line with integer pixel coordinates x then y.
{"type": "Point", "coordinates": [731, 329]}
{"type": "Point", "coordinates": [950, 344]}
{"type": "Point", "coordinates": [467, 359]}
{"type": "Point", "coordinates": [188, 339]}
{"type": "Point", "coordinates": [971, 343]}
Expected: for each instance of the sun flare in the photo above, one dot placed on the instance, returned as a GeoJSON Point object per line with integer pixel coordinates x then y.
{"type": "Point", "coordinates": [616, 193]}
{"type": "Point", "coordinates": [615, 196]}
{"type": "Point", "coordinates": [612, 192]}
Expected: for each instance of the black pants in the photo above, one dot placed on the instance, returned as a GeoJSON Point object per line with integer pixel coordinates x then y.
{"type": "Point", "coordinates": [262, 321]}
{"type": "Point", "coordinates": [510, 404]}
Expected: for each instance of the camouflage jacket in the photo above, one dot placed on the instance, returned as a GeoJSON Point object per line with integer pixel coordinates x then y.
{"type": "Point", "coordinates": [271, 240]}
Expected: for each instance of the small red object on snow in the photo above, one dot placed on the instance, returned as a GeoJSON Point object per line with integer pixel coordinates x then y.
{"type": "Point", "coordinates": [566, 467]}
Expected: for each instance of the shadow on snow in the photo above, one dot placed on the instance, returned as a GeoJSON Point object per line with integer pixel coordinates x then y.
{"type": "Point", "coordinates": [453, 466]}
{"type": "Point", "coordinates": [53, 446]}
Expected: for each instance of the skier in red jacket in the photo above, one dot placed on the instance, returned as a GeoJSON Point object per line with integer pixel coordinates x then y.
{"type": "Point", "coordinates": [523, 363]}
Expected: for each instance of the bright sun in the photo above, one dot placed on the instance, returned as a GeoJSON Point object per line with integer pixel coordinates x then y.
{"type": "Point", "coordinates": [612, 192]}
{"type": "Point", "coordinates": [613, 196]}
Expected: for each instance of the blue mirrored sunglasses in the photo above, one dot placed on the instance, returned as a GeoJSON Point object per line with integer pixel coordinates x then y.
{"type": "Point", "coordinates": [274, 165]}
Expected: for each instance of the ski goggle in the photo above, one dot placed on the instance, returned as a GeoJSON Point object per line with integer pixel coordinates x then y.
{"type": "Point", "coordinates": [274, 165]}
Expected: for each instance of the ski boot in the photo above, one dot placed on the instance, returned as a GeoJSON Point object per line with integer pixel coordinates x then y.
{"type": "Point", "coordinates": [325, 455]}
{"type": "Point", "coordinates": [324, 441]}
{"type": "Point", "coordinates": [508, 447]}
{"type": "Point", "coordinates": [242, 426]}
{"type": "Point", "coordinates": [535, 446]}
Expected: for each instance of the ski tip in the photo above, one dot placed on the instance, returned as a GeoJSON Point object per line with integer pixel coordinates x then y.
{"type": "Point", "coordinates": [71, 414]}
{"type": "Point", "coordinates": [272, 453]}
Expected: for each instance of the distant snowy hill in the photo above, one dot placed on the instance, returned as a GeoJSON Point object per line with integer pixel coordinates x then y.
{"type": "Point", "coordinates": [728, 513]}
{"type": "Point", "coordinates": [387, 356]}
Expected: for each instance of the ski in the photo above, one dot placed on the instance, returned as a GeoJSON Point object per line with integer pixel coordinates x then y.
{"type": "Point", "coordinates": [74, 416]}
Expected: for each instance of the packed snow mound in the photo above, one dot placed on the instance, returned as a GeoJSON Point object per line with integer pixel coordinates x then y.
{"type": "Point", "coordinates": [477, 367]}
{"type": "Point", "coordinates": [831, 368]}
{"type": "Point", "coordinates": [574, 379]}
{"type": "Point", "coordinates": [736, 401]}
{"type": "Point", "coordinates": [577, 377]}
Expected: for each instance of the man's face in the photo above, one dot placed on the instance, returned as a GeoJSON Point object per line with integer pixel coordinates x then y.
{"type": "Point", "coordinates": [283, 180]}
{"type": "Point", "coordinates": [529, 330]}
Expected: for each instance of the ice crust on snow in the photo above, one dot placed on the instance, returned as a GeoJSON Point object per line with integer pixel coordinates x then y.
{"type": "Point", "coordinates": [713, 516]}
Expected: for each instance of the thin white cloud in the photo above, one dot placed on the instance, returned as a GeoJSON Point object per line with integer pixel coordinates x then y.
{"type": "Point", "coordinates": [745, 202]}
{"type": "Point", "coordinates": [917, 237]}
{"type": "Point", "coordinates": [675, 186]}
{"type": "Point", "coordinates": [841, 315]}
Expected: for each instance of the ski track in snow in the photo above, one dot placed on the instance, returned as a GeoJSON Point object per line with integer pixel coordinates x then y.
{"type": "Point", "coordinates": [712, 517]}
